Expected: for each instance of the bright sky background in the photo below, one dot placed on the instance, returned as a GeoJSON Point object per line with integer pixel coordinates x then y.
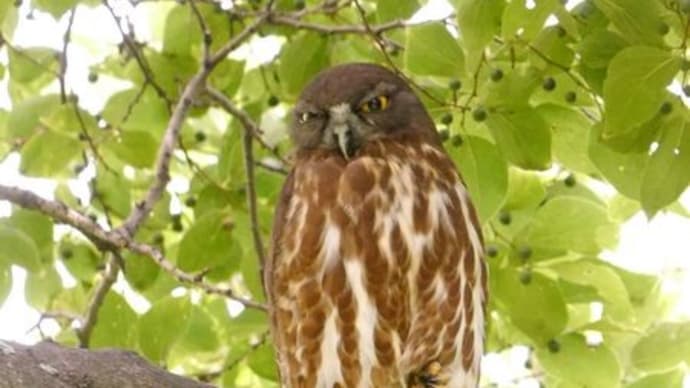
{"type": "Point", "coordinates": [659, 246]}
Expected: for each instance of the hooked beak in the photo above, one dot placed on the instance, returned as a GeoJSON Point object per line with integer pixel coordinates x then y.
{"type": "Point", "coordinates": [345, 140]}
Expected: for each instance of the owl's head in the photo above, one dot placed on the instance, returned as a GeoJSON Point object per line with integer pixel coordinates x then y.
{"type": "Point", "coordinates": [347, 105]}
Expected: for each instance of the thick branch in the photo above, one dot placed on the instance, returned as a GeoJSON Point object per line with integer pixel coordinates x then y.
{"type": "Point", "coordinates": [112, 241]}
{"type": "Point", "coordinates": [51, 365]}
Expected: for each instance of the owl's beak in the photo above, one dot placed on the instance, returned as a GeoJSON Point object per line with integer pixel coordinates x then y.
{"type": "Point", "coordinates": [345, 140]}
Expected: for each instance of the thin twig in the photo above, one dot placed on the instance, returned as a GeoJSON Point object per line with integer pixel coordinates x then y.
{"type": "Point", "coordinates": [112, 268]}
{"type": "Point", "coordinates": [63, 55]}
{"type": "Point", "coordinates": [143, 208]}
{"type": "Point", "coordinates": [143, 64]}
{"type": "Point", "coordinates": [250, 131]}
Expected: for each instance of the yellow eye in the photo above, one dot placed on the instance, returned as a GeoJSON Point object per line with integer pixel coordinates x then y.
{"type": "Point", "coordinates": [375, 104]}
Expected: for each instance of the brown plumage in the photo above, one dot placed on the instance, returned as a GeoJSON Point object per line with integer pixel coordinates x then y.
{"type": "Point", "coordinates": [376, 276]}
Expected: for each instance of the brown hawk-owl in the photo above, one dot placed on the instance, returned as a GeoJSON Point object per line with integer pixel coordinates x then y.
{"type": "Point", "coordinates": [376, 277]}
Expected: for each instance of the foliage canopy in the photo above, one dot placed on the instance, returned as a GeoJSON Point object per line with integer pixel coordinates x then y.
{"type": "Point", "coordinates": [536, 101]}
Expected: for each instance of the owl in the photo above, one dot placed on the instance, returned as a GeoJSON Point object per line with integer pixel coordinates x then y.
{"type": "Point", "coordinates": [376, 275]}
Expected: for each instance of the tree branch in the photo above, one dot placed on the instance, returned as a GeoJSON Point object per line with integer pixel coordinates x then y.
{"type": "Point", "coordinates": [113, 241]}
{"type": "Point", "coordinates": [250, 131]}
{"type": "Point", "coordinates": [112, 268]}
{"type": "Point", "coordinates": [143, 208]}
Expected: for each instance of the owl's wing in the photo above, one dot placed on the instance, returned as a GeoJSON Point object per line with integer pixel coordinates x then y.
{"type": "Point", "coordinates": [279, 223]}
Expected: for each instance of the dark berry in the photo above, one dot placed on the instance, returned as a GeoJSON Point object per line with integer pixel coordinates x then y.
{"type": "Point", "coordinates": [479, 114]}
{"type": "Point", "coordinates": [526, 277]}
{"type": "Point", "coordinates": [455, 84]}
{"type": "Point", "coordinates": [190, 202]}
{"type": "Point", "coordinates": [444, 134]}
{"type": "Point", "coordinates": [456, 140]}
{"type": "Point", "coordinates": [666, 108]}
{"type": "Point", "coordinates": [447, 119]}
{"type": "Point", "coordinates": [82, 136]}
{"type": "Point", "coordinates": [497, 75]}
{"type": "Point", "coordinates": [299, 4]}
{"type": "Point", "coordinates": [492, 251]}
{"type": "Point", "coordinates": [93, 77]}
{"type": "Point", "coordinates": [200, 136]}
{"type": "Point", "coordinates": [685, 65]}
{"type": "Point", "coordinates": [524, 252]}
{"type": "Point", "coordinates": [554, 346]}
{"type": "Point", "coordinates": [570, 180]}
{"type": "Point", "coordinates": [663, 28]}
{"type": "Point", "coordinates": [158, 239]}
{"type": "Point", "coordinates": [549, 84]}
{"type": "Point", "coordinates": [560, 31]}
{"type": "Point", "coordinates": [686, 90]}
{"type": "Point", "coordinates": [571, 97]}
{"type": "Point", "coordinates": [504, 218]}
{"type": "Point", "coordinates": [273, 101]}
{"type": "Point", "coordinates": [66, 253]}
{"type": "Point", "coordinates": [177, 226]}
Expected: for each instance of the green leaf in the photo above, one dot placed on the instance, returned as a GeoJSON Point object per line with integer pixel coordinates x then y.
{"type": "Point", "coordinates": [5, 282]}
{"type": "Point", "coordinates": [431, 50]}
{"type": "Point", "coordinates": [485, 172]}
{"type": "Point", "coordinates": [623, 171]}
{"type": "Point", "coordinates": [28, 64]}
{"type": "Point", "coordinates": [25, 116]}
{"type": "Point", "coordinates": [523, 137]}
{"type": "Point", "coordinates": [479, 22]}
{"type": "Point", "coordinates": [201, 334]}
{"type": "Point", "coordinates": [114, 193]}
{"type": "Point", "coordinates": [227, 76]}
{"type": "Point", "coordinates": [573, 224]}
{"type": "Point", "coordinates": [599, 47]}
{"type": "Point", "coordinates": [114, 325]}
{"type": "Point", "coordinates": [262, 362]}
{"type": "Point", "coordinates": [636, 86]}
{"type": "Point", "coordinates": [664, 348]}
{"type": "Point", "coordinates": [48, 153]}
{"type": "Point", "coordinates": [525, 190]}
{"type": "Point", "coordinates": [570, 134]}
{"type": "Point", "coordinates": [536, 308]}
{"type": "Point", "coordinates": [606, 281]}
{"type": "Point", "coordinates": [580, 364]}
{"type": "Point", "coordinates": [553, 45]}
{"type": "Point", "coordinates": [38, 227]}
{"type": "Point", "coordinates": [16, 247]}
{"type": "Point", "coordinates": [388, 10]}
{"type": "Point", "coordinates": [137, 148]}
{"type": "Point", "coordinates": [526, 22]}
{"type": "Point", "coordinates": [300, 60]}
{"type": "Point", "coordinates": [670, 379]}
{"type": "Point", "coordinates": [666, 175]}
{"type": "Point", "coordinates": [54, 7]}
{"type": "Point", "coordinates": [156, 333]}
{"type": "Point", "coordinates": [637, 20]}
{"type": "Point", "coordinates": [141, 271]}
{"type": "Point", "coordinates": [181, 31]}
{"type": "Point", "coordinates": [41, 287]}
{"type": "Point", "coordinates": [209, 244]}
{"type": "Point", "coordinates": [81, 260]}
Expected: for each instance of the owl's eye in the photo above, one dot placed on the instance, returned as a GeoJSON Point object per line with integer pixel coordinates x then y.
{"type": "Point", "coordinates": [306, 116]}
{"type": "Point", "coordinates": [375, 104]}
